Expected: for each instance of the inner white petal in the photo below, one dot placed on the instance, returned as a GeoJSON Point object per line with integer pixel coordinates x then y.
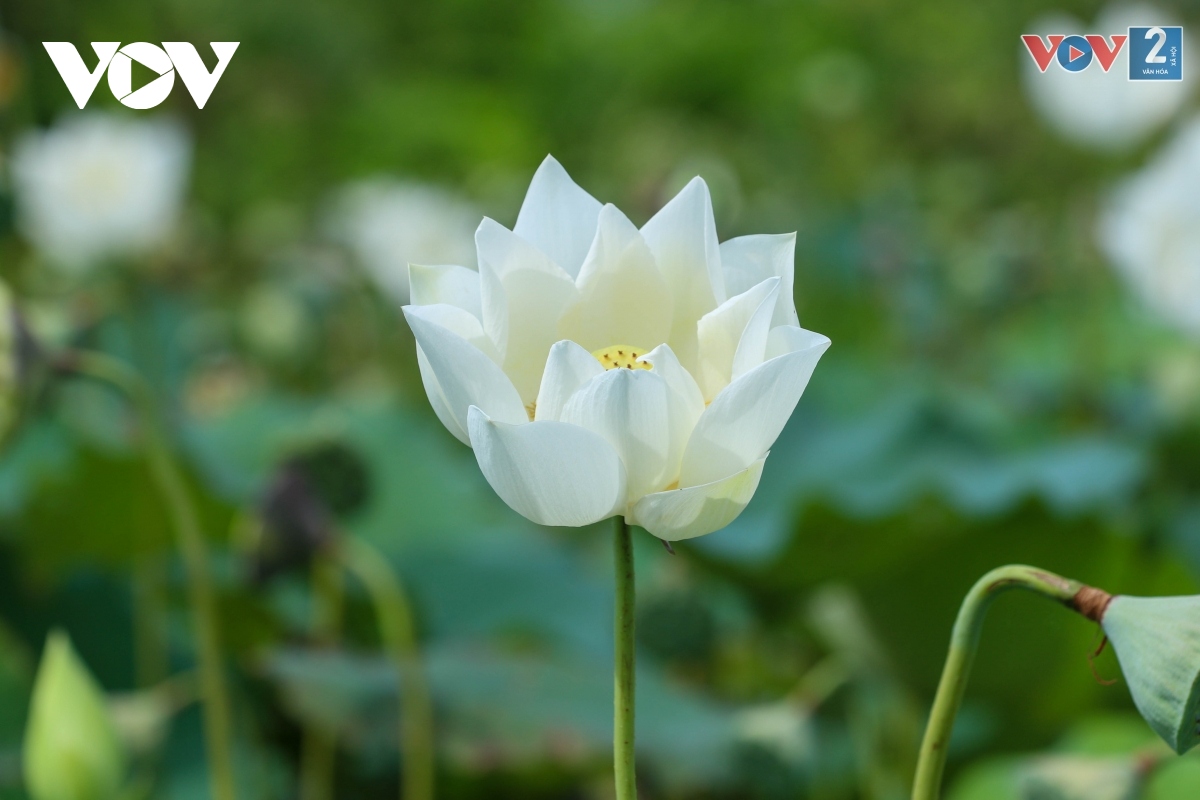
{"type": "Point", "coordinates": [558, 216]}
{"type": "Point", "coordinates": [524, 294]}
{"type": "Point", "coordinates": [622, 296]}
{"type": "Point", "coordinates": [629, 408]}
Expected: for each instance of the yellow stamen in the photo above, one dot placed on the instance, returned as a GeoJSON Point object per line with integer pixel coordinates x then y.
{"type": "Point", "coordinates": [621, 355]}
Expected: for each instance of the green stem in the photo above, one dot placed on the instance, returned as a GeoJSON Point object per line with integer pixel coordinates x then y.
{"type": "Point", "coordinates": [624, 680]}
{"type": "Point", "coordinates": [194, 550]}
{"type": "Point", "coordinates": [397, 630]}
{"type": "Point", "coordinates": [320, 742]}
{"type": "Point", "coordinates": [964, 642]}
{"type": "Point", "coordinates": [151, 658]}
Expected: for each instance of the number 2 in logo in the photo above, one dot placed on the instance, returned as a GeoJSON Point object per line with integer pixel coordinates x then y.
{"type": "Point", "coordinates": [1156, 54]}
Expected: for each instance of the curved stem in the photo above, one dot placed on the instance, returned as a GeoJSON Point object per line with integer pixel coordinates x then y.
{"type": "Point", "coordinates": [398, 633]}
{"type": "Point", "coordinates": [194, 550]}
{"type": "Point", "coordinates": [964, 642]}
{"type": "Point", "coordinates": [319, 749]}
{"type": "Point", "coordinates": [624, 679]}
{"type": "Point", "coordinates": [152, 662]}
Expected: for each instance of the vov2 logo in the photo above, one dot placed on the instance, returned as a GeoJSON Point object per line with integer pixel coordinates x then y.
{"type": "Point", "coordinates": [1155, 53]}
{"type": "Point", "coordinates": [164, 61]}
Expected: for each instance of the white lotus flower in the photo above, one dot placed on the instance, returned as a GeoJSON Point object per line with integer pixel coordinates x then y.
{"type": "Point", "coordinates": [1103, 110]}
{"type": "Point", "coordinates": [599, 370]}
{"type": "Point", "coordinates": [1151, 231]}
{"type": "Point", "coordinates": [388, 224]}
{"type": "Point", "coordinates": [97, 187]}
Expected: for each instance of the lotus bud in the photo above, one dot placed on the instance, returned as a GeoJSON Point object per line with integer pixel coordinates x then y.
{"type": "Point", "coordinates": [1069, 777]}
{"type": "Point", "coordinates": [1157, 640]}
{"type": "Point", "coordinates": [72, 751]}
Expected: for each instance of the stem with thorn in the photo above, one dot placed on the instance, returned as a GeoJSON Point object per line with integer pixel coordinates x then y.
{"type": "Point", "coordinates": [964, 641]}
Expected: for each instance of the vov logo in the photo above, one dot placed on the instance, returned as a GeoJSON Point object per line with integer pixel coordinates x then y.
{"type": "Point", "coordinates": [164, 61]}
{"type": "Point", "coordinates": [1074, 53]}
{"type": "Point", "coordinates": [1155, 52]}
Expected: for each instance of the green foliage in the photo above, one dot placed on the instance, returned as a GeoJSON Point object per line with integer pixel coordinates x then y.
{"type": "Point", "coordinates": [993, 395]}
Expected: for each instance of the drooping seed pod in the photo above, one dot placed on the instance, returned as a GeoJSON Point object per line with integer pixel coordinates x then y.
{"type": "Point", "coordinates": [296, 524]}
{"type": "Point", "coordinates": [338, 474]}
{"type": "Point", "coordinates": [72, 750]}
{"type": "Point", "coordinates": [1157, 640]}
{"type": "Point", "coordinates": [311, 489]}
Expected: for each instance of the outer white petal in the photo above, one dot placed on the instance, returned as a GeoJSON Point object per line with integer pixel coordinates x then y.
{"type": "Point", "coordinates": [622, 297]}
{"type": "Point", "coordinates": [466, 326]}
{"type": "Point", "coordinates": [461, 322]}
{"type": "Point", "coordinates": [433, 390]}
{"type": "Point", "coordinates": [558, 216]}
{"type": "Point", "coordinates": [733, 337]}
{"type": "Point", "coordinates": [744, 420]}
{"type": "Point", "coordinates": [789, 339]}
{"type": "Point", "coordinates": [629, 409]}
{"type": "Point", "coordinates": [550, 472]}
{"type": "Point", "coordinates": [456, 286]}
{"type": "Point", "coordinates": [698, 510]}
{"type": "Point", "coordinates": [568, 367]}
{"type": "Point", "coordinates": [685, 404]}
{"type": "Point", "coordinates": [524, 294]}
{"type": "Point", "coordinates": [683, 238]}
{"type": "Point", "coordinates": [465, 375]}
{"type": "Point", "coordinates": [749, 260]}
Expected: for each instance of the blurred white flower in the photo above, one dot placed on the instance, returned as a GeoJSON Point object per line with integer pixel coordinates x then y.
{"type": "Point", "coordinates": [601, 370]}
{"type": "Point", "coordinates": [1151, 231]}
{"type": "Point", "coordinates": [388, 224]}
{"type": "Point", "coordinates": [1103, 110]}
{"type": "Point", "coordinates": [274, 321]}
{"type": "Point", "coordinates": [1081, 777]}
{"type": "Point", "coordinates": [97, 187]}
{"type": "Point", "coordinates": [784, 728]}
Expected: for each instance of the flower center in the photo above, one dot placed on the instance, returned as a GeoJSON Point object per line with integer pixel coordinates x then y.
{"type": "Point", "coordinates": [621, 355]}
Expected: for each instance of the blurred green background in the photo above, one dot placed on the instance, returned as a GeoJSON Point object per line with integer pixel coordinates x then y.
{"type": "Point", "coordinates": [994, 394]}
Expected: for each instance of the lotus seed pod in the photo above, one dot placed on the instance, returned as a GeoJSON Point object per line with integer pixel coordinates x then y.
{"type": "Point", "coordinates": [1157, 640]}
{"type": "Point", "coordinates": [71, 747]}
{"type": "Point", "coordinates": [1081, 778]}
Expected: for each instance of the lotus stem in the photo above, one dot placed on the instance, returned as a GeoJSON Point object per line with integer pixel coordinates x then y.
{"type": "Point", "coordinates": [193, 548]}
{"type": "Point", "coordinates": [319, 748]}
{"type": "Point", "coordinates": [398, 632]}
{"type": "Point", "coordinates": [152, 659]}
{"type": "Point", "coordinates": [624, 678]}
{"type": "Point", "coordinates": [964, 642]}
